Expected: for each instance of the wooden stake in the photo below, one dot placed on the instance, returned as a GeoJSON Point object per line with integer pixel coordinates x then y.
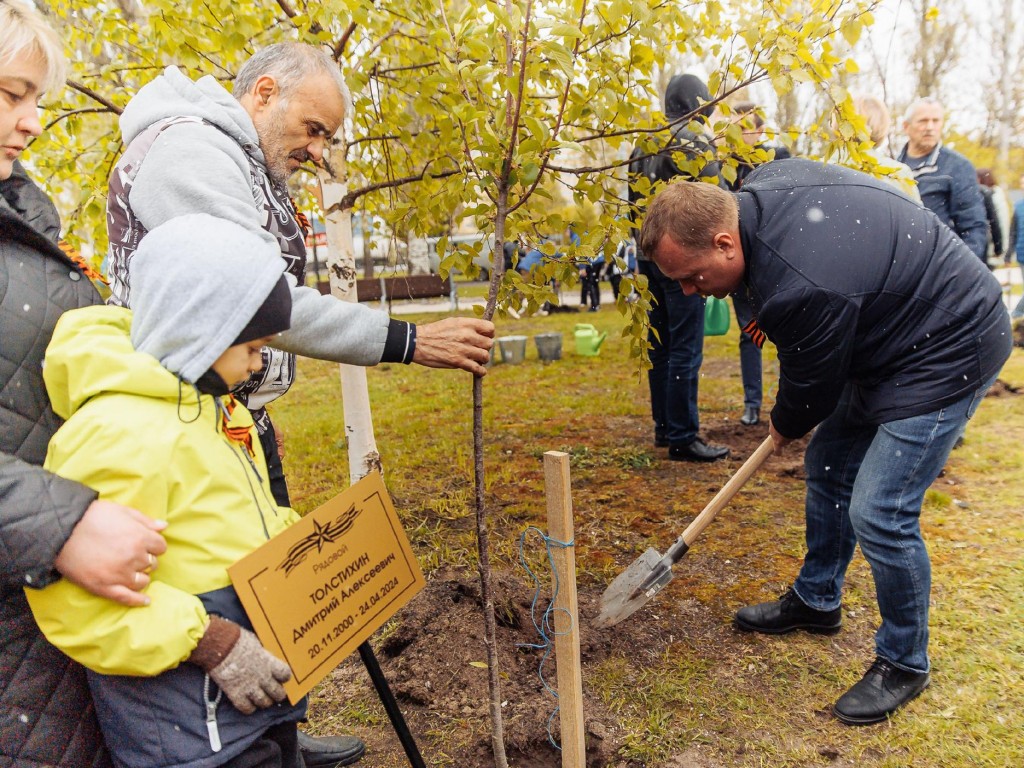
{"type": "Point", "coordinates": [558, 491]}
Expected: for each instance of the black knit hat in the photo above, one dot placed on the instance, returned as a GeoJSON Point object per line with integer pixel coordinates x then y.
{"type": "Point", "coordinates": [273, 316]}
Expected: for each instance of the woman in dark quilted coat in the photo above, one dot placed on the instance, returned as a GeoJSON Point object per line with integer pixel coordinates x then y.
{"type": "Point", "coordinates": [49, 527]}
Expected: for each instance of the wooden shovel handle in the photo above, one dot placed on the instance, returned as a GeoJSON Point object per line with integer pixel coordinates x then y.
{"type": "Point", "coordinates": [724, 496]}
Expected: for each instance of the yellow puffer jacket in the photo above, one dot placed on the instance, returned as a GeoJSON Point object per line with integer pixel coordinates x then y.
{"type": "Point", "coordinates": [140, 437]}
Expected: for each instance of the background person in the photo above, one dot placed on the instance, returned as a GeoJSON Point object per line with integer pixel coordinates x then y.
{"type": "Point", "coordinates": [50, 526]}
{"type": "Point", "coordinates": [753, 136]}
{"type": "Point", "coordinates": [945, 178]}
{"type": "Point", "coordinates": [876, 116]}
{"type": "Point", "coordinates": [997, 215]}
{"type": "Point", "coordinates": [886, 344]}
{"type": "Point", "coordinates": [676, 334]}
{"type": "Point", "coordinates": [1017, 313]}
{"type": "Point", "coordinates": [750, 353]}
{"type": "Point", "coordinates": [590, 282]}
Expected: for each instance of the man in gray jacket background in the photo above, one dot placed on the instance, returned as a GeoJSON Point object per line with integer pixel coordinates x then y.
{"type": "Point", "coordinates": [192, 147]}
{"type": "Point", "coordinates": [945, 178]}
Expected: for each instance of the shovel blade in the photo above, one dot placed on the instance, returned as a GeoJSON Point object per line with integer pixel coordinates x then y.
{"type": "Point", "coordinates": [618, 601]}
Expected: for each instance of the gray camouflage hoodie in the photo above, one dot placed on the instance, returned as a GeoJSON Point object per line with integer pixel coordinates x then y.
{"type": "Point", "coordinates": [210, 162]}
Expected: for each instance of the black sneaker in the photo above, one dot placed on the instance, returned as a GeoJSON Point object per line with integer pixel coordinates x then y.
{"type": "Point", "coordinates": [697, 450]}
{"type": "Point", "coordinates": [787, 614]}
{"type": "Point", "coordinates": [883, 689]}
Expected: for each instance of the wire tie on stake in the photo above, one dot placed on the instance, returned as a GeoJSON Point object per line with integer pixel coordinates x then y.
{"type": "Point", "coordinates": [545, 626]}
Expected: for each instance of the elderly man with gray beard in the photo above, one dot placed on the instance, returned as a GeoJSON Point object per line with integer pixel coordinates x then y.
{"type": "Point", "coordinates": [192, 147]}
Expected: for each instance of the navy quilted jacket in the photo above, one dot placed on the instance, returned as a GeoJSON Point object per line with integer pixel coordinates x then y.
{"type": "Point", "coordinates": [46, 713]}
{"type": "Point", "coordinates": [857, 285]}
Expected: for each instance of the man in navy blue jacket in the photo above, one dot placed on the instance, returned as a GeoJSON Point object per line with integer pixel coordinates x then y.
{"type": "Point", "coordinates": [889, 333]}
{"type": "Point", "coordinates": [946, 179]}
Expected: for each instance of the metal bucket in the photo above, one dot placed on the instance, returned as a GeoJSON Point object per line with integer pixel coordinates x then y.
{"type": "Point", "coordinates": [513, 349]}
{"type": "Point", "coordinates": [549, 346]}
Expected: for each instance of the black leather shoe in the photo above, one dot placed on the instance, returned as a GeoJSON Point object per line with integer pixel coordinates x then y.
{"type": "Point", "coordinates": [787, 614]}
{"type": "Point", "coordinates": [660, 441]}
{"type": "Point", "coordinates": [330, 751]}
{"type": "Point", "coordinates": [751, 416]}
{"type": "Point", "coordinates": [883, 689]}
{"type": "Point", "coordinates": [698, 450]}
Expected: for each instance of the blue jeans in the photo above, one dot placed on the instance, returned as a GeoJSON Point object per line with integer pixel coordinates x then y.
{"type": "Point", "coordinates": [750, 353]}
{"type": "Point", "coordinates": [1018, 311]}
{"type": "Point", "coordinates": [676, 355]}
{"type": "Point", "coordinates": [865, 485]}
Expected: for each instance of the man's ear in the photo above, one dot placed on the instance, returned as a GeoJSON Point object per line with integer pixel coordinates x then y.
{"type": "Point", "coordinates": [724, 241]}
{"type": "Point", "coordinates": [264, 90]}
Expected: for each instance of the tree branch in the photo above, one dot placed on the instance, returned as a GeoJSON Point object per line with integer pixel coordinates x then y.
{"type": "Point", "coordinates": [381, 72]}
{"type": "Point", "coordinates": [82, 111]}
{"type": "Point", "coordinates": [86, 91]}
{"type": "Point", "coordinates": [339, 47]}
{"type": "Point", "coordinates": [558, 119]}
{"type": "Point", "coordinates": [384, 137]}
{"type": "Point", "coordinates": [291, 14]}
{"type": "Point", "coordinates": [348, 201]}
{"type": "Point", "coordinates": [514, 133]}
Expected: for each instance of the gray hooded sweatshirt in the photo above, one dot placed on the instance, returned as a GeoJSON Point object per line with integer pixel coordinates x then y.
{"type": "Point", "coordinates": [208, 160]}
{"type": "Point", "coordinates": [187, 330]}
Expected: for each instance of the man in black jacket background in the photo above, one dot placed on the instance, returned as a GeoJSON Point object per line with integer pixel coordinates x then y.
{"type": "Point", "coordinates": [676, 321]}
{"type": "Point", "coordinates": [889, 333]}
{"type": "Point", "coordinates": [750, 352]}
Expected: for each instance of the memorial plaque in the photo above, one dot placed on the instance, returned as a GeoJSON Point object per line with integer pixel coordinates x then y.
{"type": "Point", "coordinates": [316, 591]}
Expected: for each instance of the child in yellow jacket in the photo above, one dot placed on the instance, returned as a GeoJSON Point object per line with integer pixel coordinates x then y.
{"type": "Point", "coordinates": [151, 423]}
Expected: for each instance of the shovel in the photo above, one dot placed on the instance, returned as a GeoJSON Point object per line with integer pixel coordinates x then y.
{"type": "Point", "coordinates": [650, 572]}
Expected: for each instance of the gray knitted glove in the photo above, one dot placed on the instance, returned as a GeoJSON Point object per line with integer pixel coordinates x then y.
{"type": "Point", "coordinates": [247, 672]}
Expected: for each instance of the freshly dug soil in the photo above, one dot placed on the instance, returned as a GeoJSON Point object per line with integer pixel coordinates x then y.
{"type": "Point", "coordinates": [434, 657]}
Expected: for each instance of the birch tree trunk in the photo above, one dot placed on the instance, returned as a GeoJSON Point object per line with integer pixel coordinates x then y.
{"type": "Point", "coordinates": [363, 457]}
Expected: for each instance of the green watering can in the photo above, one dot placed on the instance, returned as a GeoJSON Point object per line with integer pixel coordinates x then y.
{"type": "Point", "coordinates": [588, 339]}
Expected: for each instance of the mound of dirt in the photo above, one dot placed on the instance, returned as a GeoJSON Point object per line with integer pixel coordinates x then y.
{"type": "Point", "coordinates": [436, 657]}
{"type": "Point", "coordinates": [434, 660]}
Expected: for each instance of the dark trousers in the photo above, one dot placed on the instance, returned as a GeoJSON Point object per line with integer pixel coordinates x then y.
{"type": "Point", "coordinates": [750, 354]}
{"type": "Point", "coordinates": [277, 747]}
{"type": "Point", "coordinates": [275, 469]}
{"type": "Point", "coordinates": [677, 341]}
{"type": "Point", "coordinates": [590, 287]}
{"type": "Point", "coordinates": [616, 281]}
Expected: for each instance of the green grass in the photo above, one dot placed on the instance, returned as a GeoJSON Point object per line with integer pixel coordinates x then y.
{"type": "Point", "coordinates": [737, 701]}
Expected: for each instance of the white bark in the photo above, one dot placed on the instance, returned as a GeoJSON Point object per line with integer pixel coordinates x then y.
{"type": "Point", "coordinates": [363, 457]}
{"type": "Point", "coordinates": [417, 255]}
